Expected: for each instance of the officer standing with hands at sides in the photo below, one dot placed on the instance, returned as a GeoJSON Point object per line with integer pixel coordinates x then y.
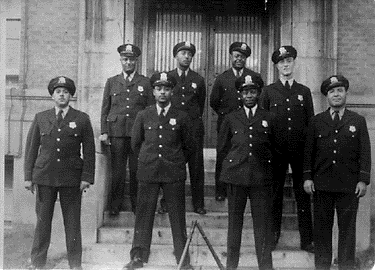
{"type": "Point", "coordinates": [292, 104]}
{"type": "Point", "coordinates": [247, 143]}
{"type": "Point", "coordinates": [162, 135]}
{"type": "Point", "coordinates": [124, 96]}
{"type": "Point", "coordinates": [337, 164]}
{"type": "Point", "coordinates": [54, 165]}
{"type": "Point", "coordinates": [225, 98]}
{"type": "Point", "coordinates": [189, 95]}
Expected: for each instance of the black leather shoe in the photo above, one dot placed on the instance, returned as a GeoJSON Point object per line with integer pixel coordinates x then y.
{"type": "Point", "coordinates": [200, 211]}
{"type": "Point", "coordinates": [220, 198]}
{"type": "Point", "coordinates": [162, 209]}
{"type": "Point", "coordinates": [309, 248]}
{"type": "Point", "coordinates": [133, 264]}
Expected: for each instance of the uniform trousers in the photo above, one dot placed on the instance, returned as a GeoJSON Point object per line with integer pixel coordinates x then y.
{"type": "Point", "coordinates": [346, 205]}
{"type": "Point", "coordinates": [174, 194]}
{"type": "Point", "coordinates": [220, 187]}
{"type": "Point", "coordinates": [261, 205]}
{"type": "Point", "coordinates": [302, 198]}
{"type": "Point", "coordinates": [121, 152]}
{"type": "Point", "coordinates": [70, 201]}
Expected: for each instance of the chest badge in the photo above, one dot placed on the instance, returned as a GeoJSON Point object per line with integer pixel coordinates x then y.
{"type": "Point", "coordinates": [352, 129]}
{"type": "Point", "coordinates": [72, 125]}
{"type": "Point", "coordinates": [300, 97]}
{"type": "Point", "coordinates": [140, 88]}
{"type": "Point", "coordinates": [264, 123]}
{"type": "Point", "coordinates": [172, 121]}
{"type": "Point", "coordinates": [194, 85]}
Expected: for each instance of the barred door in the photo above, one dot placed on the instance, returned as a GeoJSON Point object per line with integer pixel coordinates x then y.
{"type": "Point", "coordinates": [211, 27]}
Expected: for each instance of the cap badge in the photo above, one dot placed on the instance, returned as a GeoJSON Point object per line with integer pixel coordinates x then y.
{"type": "Point", "coordinates": [248, 80]}
{"type": "Point", "coordinates": [282, 51]}
{"type": "Point", "coordinates": [194, 85]}
{"type": "Point", "coordinates": [172, 121]}
{"type": "Point", "coordinates": [352, 129]}
{"type": "Point", "coordinates": [163, 76]}
{"type": "Point", "coordinates": [300, 97]}
{"type": "Point", "coordinates": [140, 88]}
{"type": "Point", "coordinates": [72, 125]}
{"type": "Point", "coordinates": [129, 48]}
{"type": "Point", "coordinates": [62, 80]}
{"type": "Point", "coordinates": [187, 43]}
{"type": "Point", "coordinates": [334, 80]}
{"type": "Point", "coordinates": [243, 46]}
{"type": "Point", "coordinates": [264, 123]}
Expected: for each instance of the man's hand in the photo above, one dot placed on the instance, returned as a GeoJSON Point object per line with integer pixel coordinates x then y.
{"type": "Point", "coordinates": [308, 186]}
{"type": "Point", "coordinates": [360, 190]}
{"type": "Point", "coordinates": [84, 186]}
{"type": "Point", "coordinates": [104, 138]}
{"type": "Point", "coordinates": [30, 186]}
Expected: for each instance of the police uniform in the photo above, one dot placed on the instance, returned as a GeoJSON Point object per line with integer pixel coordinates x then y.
{"type": "Point", "coordinates": [122, 100]}
{"type": "Point", "coordinates": [189, 96]}
{"type": "Point", "coordinates": [248, 148]}
{"type": "Point", "coordinates": [53, 162]}
{"type": "Point", "coordinates": [293, 109]}
{"type": "Point", "coordinates": [164, 144]}
{"type": "Point", "coordinates": [337, 156]}
{"type": "Point", "coordinates": [225, 98]}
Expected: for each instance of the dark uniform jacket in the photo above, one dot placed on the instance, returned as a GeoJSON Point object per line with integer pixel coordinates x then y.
{"type": "Point", "coordinates": [189, 96]}
{"type": "Point", "coordinates": [122, 102]}
{"type": "Point", "coordinates": [336, 158]}
{"type": "Point", "coordinates": [225, 98]}
{"type": "Point", "coordinates": [163, 146]}
{"type": "Point", "coordinates": [53, 155]}
{"type": "Point", "coordinates": [248, 147]}
{"type": "Point", "coordinates": [293, 109]}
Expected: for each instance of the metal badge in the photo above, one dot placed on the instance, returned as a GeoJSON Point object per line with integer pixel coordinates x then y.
{"type": "Point", "coordinates": [72, 125]}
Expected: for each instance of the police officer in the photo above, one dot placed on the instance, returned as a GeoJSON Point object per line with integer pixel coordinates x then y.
{"type": "Point", "coordinates": [54, 166]}
{"type": "Point", "coordinates": [247, 143]}
{"type": "Point", "coordinates": [225, 98]}
{"type": "Point", "coordinates": [124, 96]}
{"type": "Point", "coordinates": [293, 106]}
{"type": "Point", "coordinates": [337, 164]}
{"type": "Point", "coordinates": [189, 95]}
{"type": "Point", "coordinates": [162, 133]}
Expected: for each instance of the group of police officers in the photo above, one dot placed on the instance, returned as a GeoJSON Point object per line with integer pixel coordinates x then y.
{"type": "Point", "coordinates": [155, 125]}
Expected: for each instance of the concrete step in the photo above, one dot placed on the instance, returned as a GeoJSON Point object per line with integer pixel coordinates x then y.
{"type": "Point", "coordinates": [162, 255]}
{"type": "Point", "coordinates": [217, 237]}
{"type": "Point", "coordinates": [211, 220]}
{"type": "Point", "coordinates": [211, 205]}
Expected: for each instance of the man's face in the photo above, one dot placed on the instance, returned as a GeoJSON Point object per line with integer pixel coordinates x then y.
{"type": "Point", "coordinates": [250, 97]}
{"type": "Point", "coordinates": [128, 63]}
{"type": "Point", "coordinates": [61, 96]}
{"type": "Point", "coordinates": [337, 97]}
{"type": "Point", "coordinates": [286, 66]}
{"type": "Point", "coordinates": [238, 60]}
{"type": "Point", "coordinates": [162, 94]}
{"type": "Point", "coordinates": [184, 58]}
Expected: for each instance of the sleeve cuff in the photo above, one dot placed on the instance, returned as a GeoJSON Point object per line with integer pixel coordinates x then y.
{"type": "Point", "coordinates": [307, 175]}
{"type": "Point", "coordinates": [364, 177]}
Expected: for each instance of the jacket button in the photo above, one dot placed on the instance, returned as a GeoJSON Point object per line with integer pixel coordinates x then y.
{"type": "Point", "coordinates": [58, 139]}
{"type": "Point", "coordinates": [336, 131]}
{"type": "Point", "coordinates": [160, 127]}
{"type": "Point", "coordinates": [183, 95]}
{"type": "Point", "coordinates": [58, 149]}
{"type": "Point", "coordinates": [251, 145]}
{"type": "Point", "coordinates": [250, 136]}
{"type": "Point", "coordinates": [334, 162]}
{"type": "Point", "coordinates": [160, 136]}
{"type": "Point", "coordinates": [334, 151]}
{"type": "Point", "coordinates": [159, 155]}
{"type": "Point", "coordinates": [335, 141]}
{"type": "Point", "coordinates": [289, 128]}
{"type": "Point", "coordinates": [127, 90]}
{"type": "Point", "coordinates": [127, 98]}
{"type": "Point", "coordinates": [230, 160]}
{"type": "Point", "coordinates": [182, 103]}
{"type": "Point", "coordinates": [287, 99]}
{"type": "Point", "coordinates": [127, 115]}
{"type": "Point", "coordinates": [289, 119]}
{"type": "Point", "coordinates": [183, 87]}
{"type": "Point", "coordinates": [59, 129]}
{"type": "Point", "coordinates": [160, 146]}
{"type": "Point", "coordinates": [58, 160]}
{"type": "Point", "coordinates": [127, 106]}
{"type": "Point", "coordinates": [250, 127]}
{"type": "Point", "coordinates": [288, 109]}
{"type": "Point", "coordinates": [250, 154]}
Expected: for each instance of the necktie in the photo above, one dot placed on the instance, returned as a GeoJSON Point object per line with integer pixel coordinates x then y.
{"type": "Point", "coordinates": [238, 74]}
{"type": "Point", "coordinates": [59, 117]}
{"type": "Point", "coordinates": [336, 117]}
{"type": "Point", "coordinates": [250, 114]}
{"type": "Point", "coordinates": [287, 86]}
{"type": "Point", "coordinates": [182, 77]}
{"type": "Point", "coordinates": [127, 80]}
{"type": "Point", "coordinates": [161, 115]}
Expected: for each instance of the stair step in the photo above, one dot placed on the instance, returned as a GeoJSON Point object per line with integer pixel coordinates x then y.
{"type": "Point", "coordinates": [162, 255]}
{"type": "Point", "coordinates": [210, 220]}
{"type": "Point", "coordinates": [217, 237]}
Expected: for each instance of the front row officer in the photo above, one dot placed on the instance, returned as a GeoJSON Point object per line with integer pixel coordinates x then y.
{"type": "Point", "coordinates": [246, 142]}
{"type": "Point", "coordinates": [161, 135]}
{"type": "Point", "coordinates": [337, 163]}
{"type": "Point", "coordinates": [54, 165]}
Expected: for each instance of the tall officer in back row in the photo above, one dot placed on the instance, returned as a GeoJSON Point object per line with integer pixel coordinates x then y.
{"type": "Point", "coordinates": [225, 98]}
{"type": "Point", "coordinates": [59, 160]}
{"type": "Point", "coordinates": [161, 135]}
{"type": "Point", "coordinates": [189, 95]}
{"type": "Point", "coordinates": [124, 96]}
{"type": "Point", "coordinates": [247, 143]}
{"type": "Point", "coordinates": [293, 106]}
{"type": "Point", "coordinates": [337, 168]}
